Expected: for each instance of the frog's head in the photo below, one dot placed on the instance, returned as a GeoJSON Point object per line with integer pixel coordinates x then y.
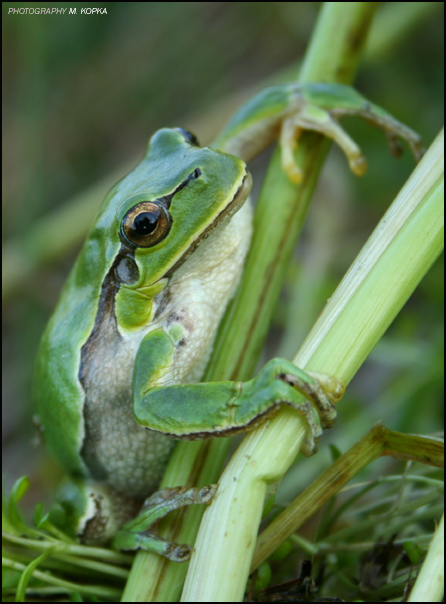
{"type": "Point", "coordinates": [188, 191]}
{"type": "Point", "coordinates": [154, 218]}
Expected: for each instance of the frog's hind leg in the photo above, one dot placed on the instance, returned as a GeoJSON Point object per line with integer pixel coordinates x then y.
{"type": "Point", "coordinates": [140, 533]}
{"type": "Point", "coordinates": [91, 511]}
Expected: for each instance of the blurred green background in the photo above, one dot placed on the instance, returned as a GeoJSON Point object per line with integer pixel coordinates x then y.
{"type": "Point", "coordinates": [82, 95]}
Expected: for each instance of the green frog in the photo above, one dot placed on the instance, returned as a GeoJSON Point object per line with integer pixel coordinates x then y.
{"type": "Point", "coordinates": [118, 370]}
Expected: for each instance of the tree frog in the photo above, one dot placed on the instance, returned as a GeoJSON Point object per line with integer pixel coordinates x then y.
{"type": "Point", "coordinates": [118, 370]}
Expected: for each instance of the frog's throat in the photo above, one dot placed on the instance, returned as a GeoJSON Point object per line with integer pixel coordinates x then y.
{"type": "Point", "coordinates": [231, 208]}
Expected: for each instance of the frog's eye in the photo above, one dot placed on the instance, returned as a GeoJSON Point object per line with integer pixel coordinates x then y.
{"type": "Point", "coordinates": [145, 224]}
{"type": "Point", "coordinates": [189, 136]}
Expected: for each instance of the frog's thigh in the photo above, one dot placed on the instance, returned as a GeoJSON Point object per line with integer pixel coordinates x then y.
{"type": "Point", "coordinates": [94, 511]}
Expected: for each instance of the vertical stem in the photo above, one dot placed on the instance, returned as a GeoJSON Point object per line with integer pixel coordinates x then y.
{"type": "Point", "coordinates": [219, 569]}
{"type": "Point", "coordinates": [429, 586]}
{"type": "Point", "coordinates": [405, 244]}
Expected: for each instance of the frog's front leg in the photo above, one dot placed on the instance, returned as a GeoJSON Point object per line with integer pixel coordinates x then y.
{"type": "Point", "coordinates": [204, 410]}
{"type": "Point", "coordinates": [290, 109]}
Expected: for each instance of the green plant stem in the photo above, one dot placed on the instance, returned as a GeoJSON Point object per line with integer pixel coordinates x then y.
{"type": "Point", "coordinates": [378, 442]}
{"type": "Point", "coordinates": [331, 56]}
{"type": "Point", "coordinates": [400, 251]}
{"type": "Point", "coordinates": [429, 586]}
{"type": "Point", "coordinates": [395, 23]}
{"type": "Point", "coordinates": [395, 258]}
{"type": "Point", "coordinates": [335, 52]}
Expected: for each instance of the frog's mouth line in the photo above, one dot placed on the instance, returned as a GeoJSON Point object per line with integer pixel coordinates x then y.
{"type": "Point", "coordinates": [237, 201]}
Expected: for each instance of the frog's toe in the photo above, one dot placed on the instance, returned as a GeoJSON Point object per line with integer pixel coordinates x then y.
{"type": "Point", "coordinates": [171, 498]}
{"type": "Point", "coordinates": [150, 542]}
{"type": "Point", "coordinates": [313, 390]}
{"type": "Point", "coordinates": [139, 533]}
{"type": "Point", "coordinates": [314, 428]}
{"type": "Point", "coordinates": [289, 135]}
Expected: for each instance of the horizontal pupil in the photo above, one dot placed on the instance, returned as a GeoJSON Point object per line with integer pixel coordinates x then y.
{"type": "Point", "coordinates": [145, 223]}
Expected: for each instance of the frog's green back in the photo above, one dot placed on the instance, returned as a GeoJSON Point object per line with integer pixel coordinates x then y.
{"type": "Point", "coordinates": [57, 390]}
{"type": "Point", "coordinates": [169, 160]}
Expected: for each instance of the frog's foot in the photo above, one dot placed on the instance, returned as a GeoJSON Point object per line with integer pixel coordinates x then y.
{"type": "Point", "coordinates": [311, 395]}
{"type": "Point", "coordinates": [140, 533]}
{"type": "Point", "coordinates": [320, 413]}
{"type": "Point", "coordinates": [319, 120]}
{"type": "Point", "coordinates": [319, 107]}
{"type": "Point", "coordinates": [394, 130]}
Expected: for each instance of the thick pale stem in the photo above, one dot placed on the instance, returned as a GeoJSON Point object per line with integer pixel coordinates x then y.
{"type": "Point", "coordinates": [400, 251]}
{"type": "Point", "coordinates": [429, 586]}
